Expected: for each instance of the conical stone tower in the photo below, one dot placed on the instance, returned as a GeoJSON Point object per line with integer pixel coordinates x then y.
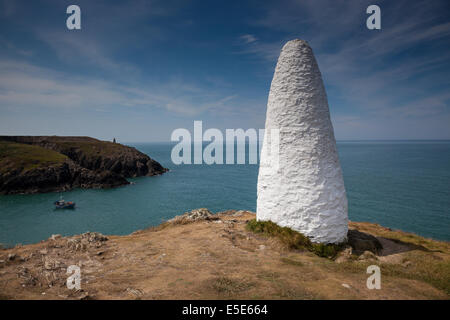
{"type": "Point", "coordinates": [305, 190]}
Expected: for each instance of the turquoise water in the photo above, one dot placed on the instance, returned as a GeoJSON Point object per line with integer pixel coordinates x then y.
{"type": "Point", "coordinates": [402, 185]}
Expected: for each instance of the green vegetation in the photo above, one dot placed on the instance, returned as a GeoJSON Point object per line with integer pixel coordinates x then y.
{"type": "Point", "coordinates": [89, 146]}
{"type": "Point", "coordinates": [92, 148]}
{"type": "Point", "coordinates": [26, 157]}
{"type": "Point", "coordinates": [293, 239]}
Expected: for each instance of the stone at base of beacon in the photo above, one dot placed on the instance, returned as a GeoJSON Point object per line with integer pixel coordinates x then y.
{"type": "Point", "coordinates": [305, 191]}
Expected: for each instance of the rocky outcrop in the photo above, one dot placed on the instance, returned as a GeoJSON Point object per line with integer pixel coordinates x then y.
{"type": "Point", "coordinates": [194, 215]}
{"type": "Point", "coordinates": [90, 163]}
{"type": "Point", "coordinates": [362, 242]}
{"type": "Point", "coordinates": [97, 155]}
{"type": "Point", "coordinates": [60, 177]}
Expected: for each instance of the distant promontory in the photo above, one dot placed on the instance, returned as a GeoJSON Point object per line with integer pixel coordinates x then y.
{"type": "Point", "coordinates": [34, 164]}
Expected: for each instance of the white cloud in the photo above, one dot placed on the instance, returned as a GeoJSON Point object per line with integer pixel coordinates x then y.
{"type": "Point", "coordinates": [77, 47]}
{"type": "Point", "coordinates": [23, 85]}
{"type": "Point", "coordinates": [248, 38]}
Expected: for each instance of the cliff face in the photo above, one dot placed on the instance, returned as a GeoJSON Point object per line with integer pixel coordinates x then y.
{"type": "Point", "coordinates": [31, 164]}
{"type": "Point", "coordinates": [58, 177]}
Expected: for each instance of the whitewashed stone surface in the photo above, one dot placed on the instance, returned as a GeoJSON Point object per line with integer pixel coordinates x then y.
{"type": "Point", "coordinates": [306, 192]}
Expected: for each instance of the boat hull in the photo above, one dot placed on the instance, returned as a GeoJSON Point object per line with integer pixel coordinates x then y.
{"type": "Point", "coordinates": [64, 205]}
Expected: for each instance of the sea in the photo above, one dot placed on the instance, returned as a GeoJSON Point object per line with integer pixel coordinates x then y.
{"type": "Point", "coordinates": [398, 184]}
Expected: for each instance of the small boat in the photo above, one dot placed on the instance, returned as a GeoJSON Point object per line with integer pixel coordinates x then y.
{"type": "Point", "coordinates": [63, 204]}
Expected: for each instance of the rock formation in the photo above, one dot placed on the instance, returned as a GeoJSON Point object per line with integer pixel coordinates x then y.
{"type": "Point", "coordinates": [306, 191]}
{"type": "Point", "coordinates": [68, 162]}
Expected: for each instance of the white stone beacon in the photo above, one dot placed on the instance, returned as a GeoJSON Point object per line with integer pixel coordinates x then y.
{"type": "Point", "coordinates": [305, 191]}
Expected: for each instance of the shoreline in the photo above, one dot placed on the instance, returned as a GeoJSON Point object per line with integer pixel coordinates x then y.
{"type": "Point", "coordinates": [199, 256]}
{"type": "Point", "coordinates": [351, 222]}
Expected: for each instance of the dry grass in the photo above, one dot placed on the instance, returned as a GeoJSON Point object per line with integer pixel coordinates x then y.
{"type": "Point", "coordinates": [292, 262]}
{"type": "Point", "coordinates": [211, 260]}
{"type": "Point", "coordinates": [427, 260]}
{"type": "Point", "coordinates": [425, 267]}
{"type": "Point", "coordinates": [228, 286]}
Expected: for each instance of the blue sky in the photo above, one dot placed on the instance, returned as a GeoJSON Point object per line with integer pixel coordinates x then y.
{"type": "Point", "coordinates": [137, 70]}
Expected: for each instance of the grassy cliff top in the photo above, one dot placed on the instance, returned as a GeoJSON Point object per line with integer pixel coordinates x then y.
{"type": "Point", "coordinates": [221, 257]}
{"type": "Point", "coordinates": [89, 146]}
{"type": "Point", "coordinates": [26, 157]}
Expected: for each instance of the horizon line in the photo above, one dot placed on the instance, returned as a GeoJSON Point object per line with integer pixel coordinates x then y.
{"type": "Point", "coordinates": [337, 140]}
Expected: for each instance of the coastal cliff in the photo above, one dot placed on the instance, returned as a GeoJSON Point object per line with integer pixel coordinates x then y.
{"type": "Point", "coordinates": [32, 164]}
{"type": "Point", "coordinates": [201, 255]}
